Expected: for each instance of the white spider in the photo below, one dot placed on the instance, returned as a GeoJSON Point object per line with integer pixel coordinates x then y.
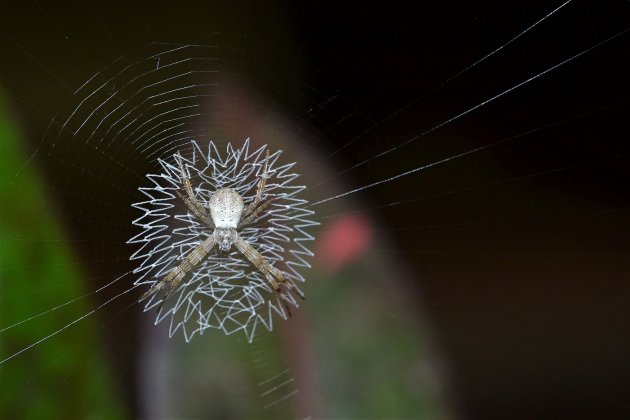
{"type": "Point", "coordinates": [226, 214]}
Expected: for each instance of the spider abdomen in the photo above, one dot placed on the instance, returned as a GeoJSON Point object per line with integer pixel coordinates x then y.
{"type": "Point", "coordinates": [226, 208]}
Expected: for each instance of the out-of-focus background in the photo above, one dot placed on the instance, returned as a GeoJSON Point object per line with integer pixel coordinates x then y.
{"type": "Point", "coordinates": [494, 284]}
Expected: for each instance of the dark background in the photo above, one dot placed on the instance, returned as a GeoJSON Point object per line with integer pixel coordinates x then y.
{"type": "Point", "coordinates": [520, 252]}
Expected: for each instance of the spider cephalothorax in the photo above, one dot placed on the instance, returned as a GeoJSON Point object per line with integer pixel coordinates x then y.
{"type": "Point", "coordinates": [225, 215]}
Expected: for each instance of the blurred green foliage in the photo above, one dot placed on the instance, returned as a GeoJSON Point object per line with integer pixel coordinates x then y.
{"type": "Point", "coordinates": [65, 376]}
{"type": "Point", "coordinates": [376, 361]}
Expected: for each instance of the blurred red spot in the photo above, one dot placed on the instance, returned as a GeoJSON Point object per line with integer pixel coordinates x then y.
{"type": "Point", "coordinates": [342, 242]}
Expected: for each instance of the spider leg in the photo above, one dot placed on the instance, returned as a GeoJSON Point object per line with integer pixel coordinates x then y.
{"type": "Point", "coordinates": [275, 277]}
{"type": "Point", "coordinates": [195, 210]}
{"type": "Point", "coordinates": [191, 201]}
{"type": "Point", "coordinates": [259, 190]}
{"type": "Point", "coordinates": [252, 216]}
{"type": "Point", "coordinates": [177, 274]}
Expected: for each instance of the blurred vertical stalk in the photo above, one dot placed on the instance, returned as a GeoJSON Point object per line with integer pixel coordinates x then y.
{"type": "Point", "coordinates": [66, 376]}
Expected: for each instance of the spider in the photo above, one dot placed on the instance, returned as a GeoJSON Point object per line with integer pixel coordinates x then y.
{"type": "Point", "coordinates": [226, 214]}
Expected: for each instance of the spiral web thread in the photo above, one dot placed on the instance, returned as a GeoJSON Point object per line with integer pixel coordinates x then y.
{"type": "Point", "coordinates": [224, 291]}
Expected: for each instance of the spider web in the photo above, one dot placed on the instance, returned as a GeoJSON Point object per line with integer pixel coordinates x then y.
{"type": "Point", "coordinates": [222, 292]}
{"type": "Point", "coordinates": [419, 145]}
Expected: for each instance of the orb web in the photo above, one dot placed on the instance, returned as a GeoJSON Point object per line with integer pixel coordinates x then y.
{"type": "Point", "coordinates": [224, 291]}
